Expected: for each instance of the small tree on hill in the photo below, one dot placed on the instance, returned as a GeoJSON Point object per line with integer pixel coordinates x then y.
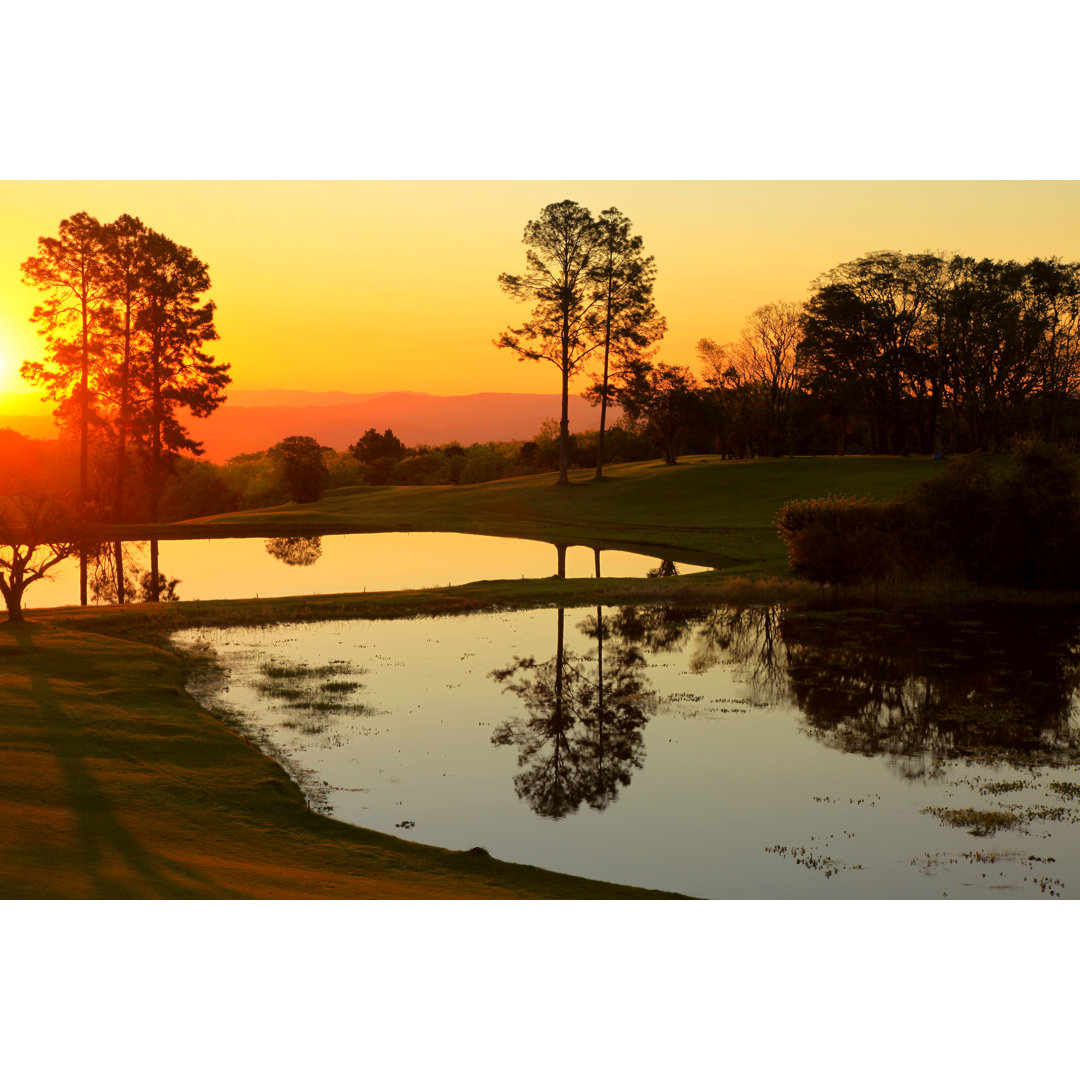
{"type": "Point", "coordinates": [300, 458]}
{"type": "Point", "coordinates": [663, 399]}
{"type": "Point", "coordinates": [378, 453]}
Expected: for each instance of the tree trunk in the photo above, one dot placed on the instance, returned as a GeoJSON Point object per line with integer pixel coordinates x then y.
{"type": "Point", "coordinates": [564, 429]}
{"type": "Point", "coordinates": [603, 401]}
{"type": "Point", "coordinates": [84, 440]}
{"type": "Point", "coordinates": [154, 580]}
{"type": "Point", "coordinates": [13, 599]}
{"type": "Point", "coordinates": [118, 559]}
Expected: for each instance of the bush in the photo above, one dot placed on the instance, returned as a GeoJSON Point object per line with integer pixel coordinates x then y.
{"type": "Point", "coordinates": [844, 539]}
{"type": "Point", "coordinates": [1018, 525]}
{"type": "Point", "coordinates": [195, 489]}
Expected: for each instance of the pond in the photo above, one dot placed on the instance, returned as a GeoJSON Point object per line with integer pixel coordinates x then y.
{"type": "Point", "coordinates": [224, 569]}
{"type": "Point", "coordinates": [722, 753]}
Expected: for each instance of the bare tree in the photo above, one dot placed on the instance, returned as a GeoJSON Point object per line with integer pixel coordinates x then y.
{"type": "Point", "coordinates": [767, 355]}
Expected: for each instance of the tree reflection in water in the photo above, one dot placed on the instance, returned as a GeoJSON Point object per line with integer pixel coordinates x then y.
{"type": "Point", "coordinates": [921, 690]}
{"type": "Point", "coordinates": [917, 690]}
{"type": "Point", "coordinates": [295, 550]}
{"type": "Point", "coordinates": [581, 737]}
{"type": "Point", "coordinates": [107, 586]}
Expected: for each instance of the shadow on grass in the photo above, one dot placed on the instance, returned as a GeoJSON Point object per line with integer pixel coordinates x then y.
{"type": "Point", "coordinates": [107, 847]}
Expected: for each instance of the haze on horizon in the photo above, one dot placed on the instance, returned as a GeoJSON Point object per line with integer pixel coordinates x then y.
{"type": "Point", "coordinates": [375, 286]}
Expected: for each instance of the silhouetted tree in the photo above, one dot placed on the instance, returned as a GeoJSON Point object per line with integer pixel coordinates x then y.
{"type": "Point", "coordinates": [870, 340]}
{"type": "Point", "coordinates": [625, 321]}
{"type": "Point", "coordinates": [174, 371]}
{"type": "Point", "coordinates": [300, 457]}
{"type": "Point", "coordinates": [137, 585]}
{"type": "Point", "coordinates": [563, 250]}
{"type": "Point", "coordinates": [124, 271]}
{"type": "Point", "coordinates": [768, 356]}
{"type": "Point", "coordinates": [379, 454]}
{"type": "Point", "coordinates": [69, 270]}
{"type": "Point", "coordinates": [662, 398]}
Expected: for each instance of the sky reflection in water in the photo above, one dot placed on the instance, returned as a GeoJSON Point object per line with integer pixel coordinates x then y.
{"type": "Point", "coordinates": [224, 569]}
{"type": "Point", "coordinates": [718, 753]}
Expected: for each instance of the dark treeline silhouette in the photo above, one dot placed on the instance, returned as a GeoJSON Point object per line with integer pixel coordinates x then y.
{"type": "Point", "coordinates": [929, 352]}
{"type": "Point", "coordinates": [125, 325]}
{"type": "Point", "coordinates": [898, 353]}
{"type": "Point", "coordinates": [892, 352]}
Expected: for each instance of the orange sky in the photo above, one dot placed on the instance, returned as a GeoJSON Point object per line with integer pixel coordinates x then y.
{"type": "Point", "coordinates": [367, 286]}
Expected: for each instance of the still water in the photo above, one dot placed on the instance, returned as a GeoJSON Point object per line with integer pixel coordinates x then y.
{"type": "Point", "coordinates": [720, 753]}
{"type": "Point", "coordinates": [225, 569]}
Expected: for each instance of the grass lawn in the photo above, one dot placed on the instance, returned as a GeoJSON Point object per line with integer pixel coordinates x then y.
{"type": "Point", "coordinates": [115, 783]}
{"type": "Point", "coordinates": [704, 509]}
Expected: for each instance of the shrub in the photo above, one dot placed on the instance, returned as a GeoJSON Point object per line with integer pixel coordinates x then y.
{"type": "Point", "coordinates": [1016, 525]}
{"type": "Point", "coordinates": [843, 539]}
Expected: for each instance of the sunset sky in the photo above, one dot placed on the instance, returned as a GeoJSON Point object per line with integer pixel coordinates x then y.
{"type": "Point", "coordinates": [376, 285]}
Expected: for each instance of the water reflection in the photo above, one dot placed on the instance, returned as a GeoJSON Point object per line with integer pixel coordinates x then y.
{"type": "Point", "coordinates": [295, 550]}
{"type": "Point", "coordinates": [667, 568]}
{"type": "Point", "coordinates": [116, 574]}
{"type": "Point", "coordinates": [221, 569]}
{"type": "Point", "coordinates": [918, 691]}
{"type": "Point", "coordinates": [925, 689]}
{"type": "Point", "coordinates": [742, 752]}
{"type": "Point", "coordinates": [581, 737]}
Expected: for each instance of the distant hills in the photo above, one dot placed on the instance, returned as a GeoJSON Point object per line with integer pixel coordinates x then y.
{"type": "Point", "coordinates": [255, 419]}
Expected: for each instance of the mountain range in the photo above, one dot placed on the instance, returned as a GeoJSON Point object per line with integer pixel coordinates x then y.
{"type": "Point", "coordinates": [252, 420]}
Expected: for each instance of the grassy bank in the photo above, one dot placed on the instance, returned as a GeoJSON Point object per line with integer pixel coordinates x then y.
{"type": "Point", "coordinates": [114, 783]}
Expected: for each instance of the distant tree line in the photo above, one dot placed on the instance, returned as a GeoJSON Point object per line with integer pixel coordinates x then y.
{"type": "Point", "coordinates": [299, 469]}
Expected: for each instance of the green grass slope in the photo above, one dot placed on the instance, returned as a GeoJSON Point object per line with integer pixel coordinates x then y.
{"type": "Point", "coordinates": [704, 509]}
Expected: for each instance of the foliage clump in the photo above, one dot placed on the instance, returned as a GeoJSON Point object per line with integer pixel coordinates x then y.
{"type": "Point", "coordinates": [1015, 524]}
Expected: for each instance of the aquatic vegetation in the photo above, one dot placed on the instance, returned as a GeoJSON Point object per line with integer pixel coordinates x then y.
{"type": "Point", "coordinates": [977, 822]}
{"type": "Point", "coordinates": [812, 860]}
{"type": "Point", "coordinates": [342, 687]}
